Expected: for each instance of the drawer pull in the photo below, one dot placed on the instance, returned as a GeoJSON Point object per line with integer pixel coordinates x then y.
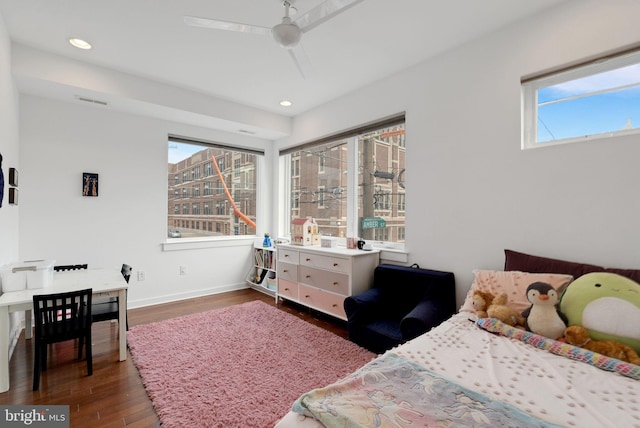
{"type": "Point", "coordinates": [335, 265]}
{"type": "Point", "coordinates": [286, 289]}
{"type": "Point", "coordinates": [335, 305]}
{"type": "Point", "coordinates": [286, 255]}
{"type": "Point", "coordinates": [308, 259]}
{"type": "Point", "coordinates": [308, 276]}
{"type": "Point", "coordinates": [285, 270]}
{"type": "Point", "coordinates": [335, 282]}
{"type": "Point", "coordinates": [306, 296]}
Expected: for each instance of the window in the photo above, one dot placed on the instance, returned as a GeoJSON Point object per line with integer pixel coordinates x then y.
{"type": "Point", "coordinates": [352, 184]}
{"type": "Point", "coordinates": [597, 100]}
{"type": "Point", "coordinates": [194, 205]}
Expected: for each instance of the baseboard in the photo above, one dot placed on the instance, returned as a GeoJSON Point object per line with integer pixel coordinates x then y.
{"type": "Point", "coordinates": [132, 304]}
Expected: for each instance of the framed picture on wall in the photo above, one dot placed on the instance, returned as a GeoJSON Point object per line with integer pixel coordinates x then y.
{"type": "Point", "coordinates": [89, 184]}
{"type": "Point", "coordinates": [13, 177]}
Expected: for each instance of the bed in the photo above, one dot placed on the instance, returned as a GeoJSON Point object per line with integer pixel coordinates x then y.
{"type": "Point", "coordinates": [481, 372]}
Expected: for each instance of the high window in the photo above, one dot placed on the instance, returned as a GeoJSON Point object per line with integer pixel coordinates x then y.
{"type": "Point", "coordinates": [600, 99]}
{"type": "Point", "coordinates": [352, 184]}
{"type": "Point", "coordinates": [191, 198]}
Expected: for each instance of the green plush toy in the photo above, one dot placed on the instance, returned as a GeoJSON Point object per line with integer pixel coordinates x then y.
{"type": "Point", "coordinates": [607, 305]}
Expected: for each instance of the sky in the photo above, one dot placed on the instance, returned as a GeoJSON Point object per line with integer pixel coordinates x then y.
{"type": "Point", "coordinates": [601, 103]}
{"type": "Point", "coordinates": [181, 151]}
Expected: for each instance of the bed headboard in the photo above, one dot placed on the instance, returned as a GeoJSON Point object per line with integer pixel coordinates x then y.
{"type": "Point", "coordinates": [536, 264]}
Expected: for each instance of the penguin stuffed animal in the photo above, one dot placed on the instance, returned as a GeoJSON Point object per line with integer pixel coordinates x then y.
{"type": "Point", "coordinates": [543, 316]}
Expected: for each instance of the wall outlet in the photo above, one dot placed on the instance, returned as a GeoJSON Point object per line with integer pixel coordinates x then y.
{"type": "Point", "coordinates": [141, 275]}
{"type": "Point", "coordinates": [183, 270]}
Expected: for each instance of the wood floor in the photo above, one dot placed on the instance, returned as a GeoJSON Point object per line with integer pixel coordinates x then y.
{"type": "Point", "coordinates": [114, 396]}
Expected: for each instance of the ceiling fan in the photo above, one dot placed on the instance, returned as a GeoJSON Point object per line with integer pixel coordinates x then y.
{"type": "Point", "coordinates": [287, 33]}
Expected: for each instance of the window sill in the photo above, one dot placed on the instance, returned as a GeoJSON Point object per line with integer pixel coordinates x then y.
{"type": "Point", "coordinates": [179, 244]}
{"type": "Point", "coordinates": [400, 256]}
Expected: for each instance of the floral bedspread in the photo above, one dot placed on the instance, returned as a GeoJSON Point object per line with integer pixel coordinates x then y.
{"type": "Point", "coordinates": [392, 391]}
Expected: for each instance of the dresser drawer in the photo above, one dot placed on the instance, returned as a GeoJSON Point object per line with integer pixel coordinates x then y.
{"type": "Point", "coordinates": [289, 256]}
{"type": "Point", "coordinates": [288, 289]}
{"type": "Point", "coordinates": [324, 301]}
{"type": "Point", "coordinates": [331, 263]}
{"type": "Point", "coordinates": [288, 271]}
{"type": "Point", "coordinates": [331, 281]}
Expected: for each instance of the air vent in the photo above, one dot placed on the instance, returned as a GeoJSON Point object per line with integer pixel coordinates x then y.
{"type": "Point", "coordinates": [91, 100]}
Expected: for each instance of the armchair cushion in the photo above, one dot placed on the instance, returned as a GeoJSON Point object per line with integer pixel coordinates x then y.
{"type": "Point", "coordinates": [403, 303]}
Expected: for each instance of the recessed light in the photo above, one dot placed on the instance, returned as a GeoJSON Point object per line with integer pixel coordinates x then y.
{"type": "Point", "coordinates": [286, 103]}
{"type": "Point", "coordinates": [79, 43]}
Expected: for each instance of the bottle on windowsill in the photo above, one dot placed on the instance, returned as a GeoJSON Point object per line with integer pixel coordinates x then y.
{"type": "Point", "coordinates": [266, 242]}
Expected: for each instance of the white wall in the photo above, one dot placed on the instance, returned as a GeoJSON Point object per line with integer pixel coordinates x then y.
{"type": "Point", "coordinates": [472, 191]}
{"type": "Point", "coordinates": [126, 223]}
{"type": "Point", "coordinates": [9, 214]}
{"type": "Point", "coordinates": [8, 148]}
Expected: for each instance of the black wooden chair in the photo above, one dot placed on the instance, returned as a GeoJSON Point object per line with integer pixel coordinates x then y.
{"type": "Point", "coordinates": [108, 308]}
{"type": "Point", "coordinates": [104, 308]}
{"type": "Point", "coordinates": [58, 318]}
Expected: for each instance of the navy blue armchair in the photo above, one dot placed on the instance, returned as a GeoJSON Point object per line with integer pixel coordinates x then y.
{"type": "Point", "coordinates": [403, 303]}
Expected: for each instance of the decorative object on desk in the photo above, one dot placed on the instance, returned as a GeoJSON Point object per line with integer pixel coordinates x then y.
{"type": "Point", "coordinates": [266, 242]}
{"type": "Point", "coordinates": [13, 177]}
{"type": "Point", "coordinates": [361, 244]}
{"type": "Point", "coordinates": [229, 353]}
{"type": "Point", "coordinates": [13, 196]}
{"type": "Point", "coordinates": [352, 243]}
{"type": "Point", "coordinates": [304, 231]}
{"type": "Point", "coordinates": [89, 184]}
{"type": "Point", "coordinates": [328, 242]}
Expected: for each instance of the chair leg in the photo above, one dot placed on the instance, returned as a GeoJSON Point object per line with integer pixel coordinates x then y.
{"type": "Point", "coordinates": [36, 367]}
{"type": "Point", "coordinates": [89, 355]}
{"type": "Point", "coordinates": [80, 344]}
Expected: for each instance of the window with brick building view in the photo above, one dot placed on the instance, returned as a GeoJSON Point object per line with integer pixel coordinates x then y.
{"type": "Point", "coordinates": [327, 185]}
{"type": "Point", "coordinates": [211, 190]}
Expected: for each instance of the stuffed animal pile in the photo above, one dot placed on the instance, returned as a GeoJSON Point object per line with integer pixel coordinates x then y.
{"type": "Point", "coordinates": [579, 336]}
{"type": "Point", "coordinates": [487, 305]}
{"type": "Point", "coordinates": [595, 299]}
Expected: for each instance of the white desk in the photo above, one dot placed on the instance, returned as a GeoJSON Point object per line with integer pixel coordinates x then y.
{"type": "Point", "coordinates": [103, 282]}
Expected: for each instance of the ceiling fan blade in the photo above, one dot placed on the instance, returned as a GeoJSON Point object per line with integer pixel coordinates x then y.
{"type": "Point", "coordinates": [215, 24]}
{"type": "Point", "coordinates": [301, 60]}
{"type": "Point", "coordinates": [323, 12]}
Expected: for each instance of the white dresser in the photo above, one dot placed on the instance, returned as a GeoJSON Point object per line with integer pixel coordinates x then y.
{"type": "Point", "coordinates": [321, 278]}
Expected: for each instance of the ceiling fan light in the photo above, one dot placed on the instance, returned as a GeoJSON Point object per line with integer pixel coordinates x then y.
{"type": "Point", "coordinates": [287, 34]}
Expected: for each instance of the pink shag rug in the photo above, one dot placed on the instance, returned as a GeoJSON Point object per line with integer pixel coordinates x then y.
{"type": "Point", "coordinates": [240, 366]}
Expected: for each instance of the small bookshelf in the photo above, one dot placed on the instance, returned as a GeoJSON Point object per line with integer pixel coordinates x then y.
{"type": "Point", "coordinates": [262, 275]}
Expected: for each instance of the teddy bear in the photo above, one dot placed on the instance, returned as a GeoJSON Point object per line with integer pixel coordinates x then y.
{"type": "Point", "coordinates": [481, 300]}
{"type": "Point", "coordinates": [499, 309]}
{"type": "Point", "coordinates": [579, 336]}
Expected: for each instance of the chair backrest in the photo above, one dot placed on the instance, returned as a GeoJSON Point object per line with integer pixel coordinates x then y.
{"type": "Point", "coordinates": [62, 316]}
{"type": "Point", "coordinates": [126, 272]}
{"type": "Point", "coordinates": [70, 267]}
{"type": "Point", "coordinates": [404, 286]}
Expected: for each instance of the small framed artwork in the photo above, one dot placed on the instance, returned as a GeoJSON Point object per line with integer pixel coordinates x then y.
{"type": "Point", "coordinates": [13, 196]}
{"type": "Point", "coordinates": [13, 177]}
{"type": "Point", "coordinates": [89, 184]}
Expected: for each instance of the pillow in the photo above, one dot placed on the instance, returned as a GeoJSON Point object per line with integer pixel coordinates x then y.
{"type": "Point", "coordinates": [527, 263]}
{"type": "Point", "coordinates": [607, 305]}
{"type": "Point", "coordinates": [514, 283]}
